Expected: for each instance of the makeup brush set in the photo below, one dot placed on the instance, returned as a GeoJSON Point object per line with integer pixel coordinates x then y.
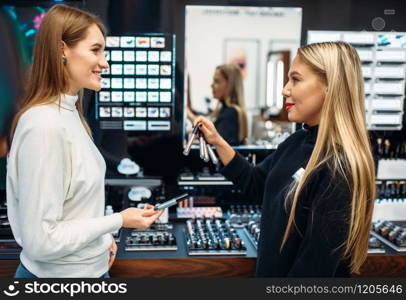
{"type": "Point", "coordinates": [206, 152]}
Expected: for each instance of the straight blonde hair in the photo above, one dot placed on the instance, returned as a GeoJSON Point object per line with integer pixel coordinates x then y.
{"type": "Point", "coordinates": [235, 97]}
{"type": "Point", "coordinates": [342, 141]}
{"type": "Point", "coordinates": [48, 77]}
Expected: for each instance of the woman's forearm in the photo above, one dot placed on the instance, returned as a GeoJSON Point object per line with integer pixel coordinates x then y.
{"type": "Point", "coordinates": [225, 152]}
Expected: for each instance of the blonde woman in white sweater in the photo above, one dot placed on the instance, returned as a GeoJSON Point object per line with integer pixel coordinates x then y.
{"type": "Point", "coordinates": [55, 174]}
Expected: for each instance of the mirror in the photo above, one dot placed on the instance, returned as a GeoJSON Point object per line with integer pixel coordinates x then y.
{"type": "Point", "coordinates": [261, 42]}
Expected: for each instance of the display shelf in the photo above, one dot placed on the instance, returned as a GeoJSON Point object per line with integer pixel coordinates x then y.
{"type": "Point", "coordinates": [383, 58]}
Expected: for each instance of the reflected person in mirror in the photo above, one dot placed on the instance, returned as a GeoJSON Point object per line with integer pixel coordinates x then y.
{"type": "Point", "coordinates": [229, 116]}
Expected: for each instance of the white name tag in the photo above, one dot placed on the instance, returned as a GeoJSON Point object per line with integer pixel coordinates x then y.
{"type": "Point", "coordinates": [298, 174]}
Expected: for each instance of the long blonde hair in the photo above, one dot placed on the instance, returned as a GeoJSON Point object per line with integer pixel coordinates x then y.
{"type": "Point", "coordinates": [235, 97]}
{"type": "Point", "coordinates": [48, 77]}
{"type": "Point", "coordinates": [342, 141]}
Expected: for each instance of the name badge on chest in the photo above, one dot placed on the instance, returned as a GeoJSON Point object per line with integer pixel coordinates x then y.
{"type": "Point", "coordinates": [298, 174]}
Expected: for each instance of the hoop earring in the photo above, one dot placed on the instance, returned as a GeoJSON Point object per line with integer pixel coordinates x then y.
{"type": "Point", "coordinates": [64, 59]}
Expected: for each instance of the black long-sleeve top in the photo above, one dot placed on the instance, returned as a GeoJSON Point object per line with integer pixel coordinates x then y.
{"type": "Point", "coordinates": [227, 125]}
{"type": "Point", "coordinates": [321, 215]}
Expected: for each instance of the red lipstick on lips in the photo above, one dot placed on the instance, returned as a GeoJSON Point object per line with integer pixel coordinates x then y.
{"type": "Point", "coordinates": [288, 106]}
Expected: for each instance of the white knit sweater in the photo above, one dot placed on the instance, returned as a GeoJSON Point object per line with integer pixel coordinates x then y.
{"type": "Point", "coordinates": [55, 194]}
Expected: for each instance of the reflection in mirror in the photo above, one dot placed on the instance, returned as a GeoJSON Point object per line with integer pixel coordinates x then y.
{"type": "Point", "coordinates": [247, 108]}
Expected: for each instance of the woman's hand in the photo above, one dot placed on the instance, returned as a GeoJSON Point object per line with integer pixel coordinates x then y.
{"type": "Point", "coordinates": [112, 252]}
{"type": "Point", "coordinates": [224, 150]}
{"type": "Point", "coordinates": [140, 218]}
{"type": "Point", "coordinates": [209, 131]}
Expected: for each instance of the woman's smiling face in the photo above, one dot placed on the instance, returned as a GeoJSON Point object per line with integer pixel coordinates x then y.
{"type": "Point", "coordinates": [305, 93]}
{"type": "Point", "coordinates": [86, 60]}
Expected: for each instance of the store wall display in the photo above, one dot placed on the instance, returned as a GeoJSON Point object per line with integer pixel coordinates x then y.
{"type": "Point", "coordinates": [138, 90]}
{"type": "Point", "coordinates": [383, 57]}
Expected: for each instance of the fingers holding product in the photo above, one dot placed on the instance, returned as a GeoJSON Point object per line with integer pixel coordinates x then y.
{"type": "Point", "coordinates": [206, 134]}
{"type": "Point", "coordinates": [139, 218]}
{"type": "Point", "coordinates": [148, 212]}
{"type": "Point", "coordinates": [209, 131]}
{"type": "Point", "coordinates": [171, 202]}
{"type": "Point", "coordinates": [148, 206]}
{"type": "Point", "coordinates": [152, 218]}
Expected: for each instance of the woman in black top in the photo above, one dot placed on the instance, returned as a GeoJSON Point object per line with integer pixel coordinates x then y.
{"type": "Point", "coordinates": [229, 116]}
{"type": "Point", "coordinates": [227, 125]}
{"type": "Point", "coordinates": [318, 187]}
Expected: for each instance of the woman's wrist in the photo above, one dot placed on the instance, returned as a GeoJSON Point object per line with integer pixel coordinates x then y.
{"type": "Point", "coordinates": [121, 218]}
{"type": "Point", "coordinates": [225, 151]}
{"type": "Point", "coordinates": [221, 143]}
